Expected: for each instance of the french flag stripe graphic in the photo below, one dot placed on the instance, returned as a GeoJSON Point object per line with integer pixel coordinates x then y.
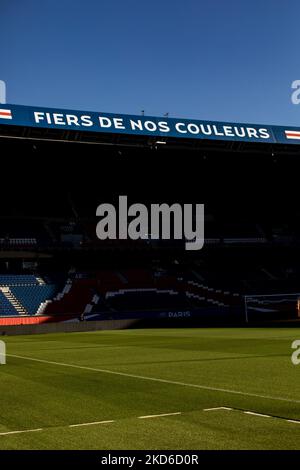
{"type": "Point", "coordinates": [292, 135]}
{"type": "Point", "coordinates": [5, 114]}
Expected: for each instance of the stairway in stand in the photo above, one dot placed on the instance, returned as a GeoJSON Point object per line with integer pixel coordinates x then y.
{"type": "Point", "coordinates": [13, 300]}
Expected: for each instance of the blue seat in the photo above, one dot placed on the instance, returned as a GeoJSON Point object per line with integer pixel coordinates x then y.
{"type": "Point", "coordinates": [17, 279]}
{"type": "Point", "coordinates": [31, 296]}
{"type": "Point", "coordinates": [6, 308]}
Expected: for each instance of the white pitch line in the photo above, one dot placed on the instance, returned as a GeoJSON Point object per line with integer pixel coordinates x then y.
{"type": "Point", "coordinates": [144, 417]}
{"type": "Point", "coordinates": [154, 379]}
{"type": "Point", "coordinates": [252, 413]}
{"type": "Point", "coordinates": [257, 414]}
{"type": "Point", "coordinates": [20, 432]}
{"type": "Point", "coordinates": [218, 408]}
{"type": "Point", "coordinates": [90, 424]}
{"type": "Point", "coordinates": [159, 416]}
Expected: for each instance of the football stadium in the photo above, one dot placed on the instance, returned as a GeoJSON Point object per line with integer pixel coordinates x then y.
{"type": "Point", "coordinates": [142, 344]}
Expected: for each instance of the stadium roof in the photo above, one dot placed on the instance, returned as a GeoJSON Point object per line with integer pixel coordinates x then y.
{"type": "Point", "coordinates": [122, 129]}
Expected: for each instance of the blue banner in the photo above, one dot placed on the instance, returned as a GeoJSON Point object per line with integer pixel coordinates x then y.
{"type": "Point", "coordinates": [64, 119]}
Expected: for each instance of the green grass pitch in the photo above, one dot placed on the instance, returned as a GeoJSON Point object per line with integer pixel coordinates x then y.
{"type": "Point", "coordinates": [205, 382]}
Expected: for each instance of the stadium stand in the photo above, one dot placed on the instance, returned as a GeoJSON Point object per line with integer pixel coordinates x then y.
{"type": "Point", "coordinates": [32, 296]}
{"type": "Point", "coordinates": [19, 279]}
{"type": "Point", "coordinates": [23, 294]}
{"type": "Point", "coordinates": [202, 285]}
{"type": "Point", "coordinates": [52, 263]}
{"type": "Point", "coordinates": [6, 306]}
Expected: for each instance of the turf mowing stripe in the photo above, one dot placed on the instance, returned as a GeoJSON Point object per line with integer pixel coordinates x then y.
{"type": "Point", "coordinates": [20, 432]}
{"type": "Point", "coordinates": [90, 424]}
{"type": "Point", "coordinates": [154, 379]}
{"type": "Point", "coordinates": [159, 416]}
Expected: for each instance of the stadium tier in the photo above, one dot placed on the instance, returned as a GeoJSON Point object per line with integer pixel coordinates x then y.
{"type": "Point", "coordinates": [23, 294]}
{"type": "Point", "coordinates": [146, 293]}
{"type": "Point", "coordinates": [6, 306]}
{"type": "Point", "coordinates": [19, 279]}
{"type": "Point", "coordinates": [53, 264]}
